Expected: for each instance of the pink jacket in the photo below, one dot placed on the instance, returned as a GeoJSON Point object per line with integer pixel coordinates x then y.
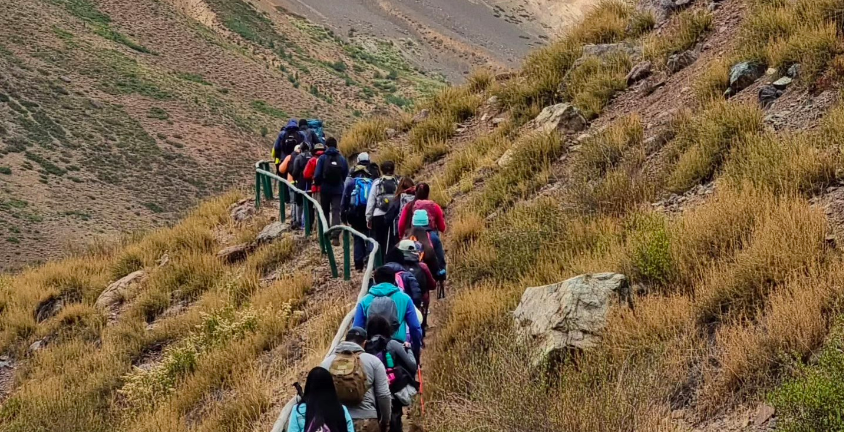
{"type": "Point", "coordinates": [435, 214]}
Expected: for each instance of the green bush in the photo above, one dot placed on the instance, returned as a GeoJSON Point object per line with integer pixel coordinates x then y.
{"type": "Point", "coordinates": [650, 248]}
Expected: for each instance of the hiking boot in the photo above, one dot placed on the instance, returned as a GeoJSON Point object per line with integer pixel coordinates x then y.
{"type": "Point", "coordinates": [335, 241]}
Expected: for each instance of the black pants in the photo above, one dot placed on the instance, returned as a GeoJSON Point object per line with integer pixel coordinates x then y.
{"type": "Point", "coordinates": [381, 233]}
{"type": "Point", "coordinates": [395, 416]}
{"type": "Point", "coordinates": [361, 246]}
{"type": "Point", "coordinates": [331, 207]}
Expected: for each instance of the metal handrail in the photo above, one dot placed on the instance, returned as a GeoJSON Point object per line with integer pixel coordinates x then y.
{"type": "Point", "coordinates": [262, 176]}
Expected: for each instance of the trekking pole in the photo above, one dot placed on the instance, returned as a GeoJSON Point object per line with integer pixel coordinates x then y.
{"type": "Point", "coordinates": [421, 394]}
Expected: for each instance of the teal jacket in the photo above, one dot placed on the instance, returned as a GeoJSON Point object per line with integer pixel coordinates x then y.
{"type": "Point", "coordinates": [404, 305]}
{"type": "Point", "coordinates": [297, 419]}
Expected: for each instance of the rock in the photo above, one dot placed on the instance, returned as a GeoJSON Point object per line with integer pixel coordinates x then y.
{"type": "Point", "coordinates": [485, 117]}
{"type": "Point", "coordinates": [560, 117]}
{"type": "Point", "coordinates": [771, 71]}
{"type": "Point", "coordinates": [674, 5]}
{"type": "Point", "coordinates": [605, 50]}
{"type": "Point", "coordinates": [639, 72]}
{"type": "Point", "coordinates": [37, 345]}
{"type": "Point", "coordinates": [783, 83]}
{"type": "Point", "coordinates": [570, 314]}
{"type": "Point", "coordinates": [391, 133]}
{"type": "Point", "coordinates": [497, 121]}
{"type": "Point", "coordinates": [116, 292]}
{"type": "Point", "coordinates": [763, 414]}
{"type": "Point", "coordinates": [421, 116]}
{"type": "Point", "coordinates": [493, 100]}
{"type": "Point", "coordinates": [582, 137]}
{"type": "Point", "coordinates": [164, 260]}
{"type": "Point", "coordinates": [656, 142]}
{"type": "Point", "coordinates": [48, 308]}
{"type": "Point", "coordinates": [506, 158]}
{"type": "Point", "coordinates": [65, 78]}
{"type": "Point", "coordinates": [794, 71]}
{"type": "Point", "coordinates": [5, 364]}
{"type": "Point", "coordinates": [236, 253]}
{"type": "Point", "coordinates": [271, 232]}
{"type": "Point", "coordinates": [460, 130]}
{"type": "Point", "coordinates": [768, 95]}
{"type": "Point", "coordinates": [678, 62]}
{"type": "Point", "coordinates": [743, 75]}
{"type": "Point", "coordinates": [242, 210]}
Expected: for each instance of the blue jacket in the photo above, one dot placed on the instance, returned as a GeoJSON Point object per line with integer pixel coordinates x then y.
{"type": "Point", "coordinates": [330, 188]}
{"type": "Point", "coordinates": [278, 153]}
{"type": "Point", "coordinates": [408, 320]}
{"type": "Point", "coordinates": [349, 186]}
{"type": "Point", "coordinates": [297, 419]}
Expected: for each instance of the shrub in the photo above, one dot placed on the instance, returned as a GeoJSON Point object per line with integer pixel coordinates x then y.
{"type": "Point", "coordinates": [364, 136]}
{"type": "Point", "coordinates": [605, 23]}
{"type": "Point", "coordinates": [705, 140]}
{"type": "Point", "coordinates": [650, 248]}
{"type": "Point", "coordinates": [594, 81]}
{"type": "Point", "coordinates": [683, 35]}
{"type": "Point", "coordinates": [713, 82]}
{"type": "Point", "coordinates": [438, 127]}
{"type": "Point", "coordinates": [480, 80]}
{"type": "Point", "coordinates": [813, 47]}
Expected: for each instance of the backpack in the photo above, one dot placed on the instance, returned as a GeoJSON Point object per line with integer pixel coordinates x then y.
{"type": "Point", "coordinates": [332, 172]}
{"type": "Point", "coordinates": [289, 144]}
{"type": "Point", "coordinates": [386, 193]}
{"type": "Point", "coordinates": [302, 161]}
{"type": "Point", "coordinates": [409, 284]}
{"type": "Point", "coordinates": [360, 194]}
{"type": "Point", "coordinates": [349, 378]}
{"type": "Point", "coordinates": [416, 270]}
{"type": "Point", "coordinates": [310, 168]}
{"type": "Point", "coordinates": [315, 126]}
{"type": "Point", "coordinates": [385, 307]}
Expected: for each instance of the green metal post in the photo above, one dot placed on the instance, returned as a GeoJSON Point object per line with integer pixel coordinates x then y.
{"type": "Point", "coordinates": [378, 261]}
{"type": "Point", "coordinates": [323, 244]}
{"type": "Point", "coordinates": [281, 204]}
{"type": "Point", "coordinates": [331, 260]}
{"type": "Point", "coordinates": [257, 190]}
{"type": "Point", "coordinates": [347, 272]}
{"type": "Point", "coordinates": [306, 213]}
{"type": "Point", "coordinates": [268, 187]}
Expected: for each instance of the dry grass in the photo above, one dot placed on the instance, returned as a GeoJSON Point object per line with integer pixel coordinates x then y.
{"type": "Point", "coordinates": [591, 84]}
{"type": "Point", "coordinates": [480, 80]}
{"type": "Point", "coordinates": [682, 35]}
{"type": "Point", "coordinates": [713, 82]}
{"type": "Point", "coordinates": [364, 136]}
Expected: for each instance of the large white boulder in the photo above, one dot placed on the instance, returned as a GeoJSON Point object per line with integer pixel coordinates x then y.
{"type": "Point", "coordinates": [570, 314]}
{"type": "Point", "coordinates": [116, 292]}
{"type": "Point", "coordinates": [560, 117]}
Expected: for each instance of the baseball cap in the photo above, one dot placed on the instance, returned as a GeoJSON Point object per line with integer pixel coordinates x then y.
{"type": "Point", "coordinates": [407, 246]}
{"type": "Point", "coordinates": [356, 333]}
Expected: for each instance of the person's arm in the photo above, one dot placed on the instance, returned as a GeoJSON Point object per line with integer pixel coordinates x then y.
{"type": "Point", "coordinates": [345, 200]}
{"type": "Point", "coordinates": [370, 201]}
{"type": "Point", "coordinates": [360, 317]}
{"type": "Point", "coordinates": [413, 327]}
{"type": "Point", "coordinates": [350, 424]}
{"type": "Point", "coordinates": [383, 396]}
{"type": "Point", "coordinates": [277, 149]}
{"type": "Point", "coordinates": [345, 167]}
{"type": "Point", "coordinates": [405, 358]}
{"type": "Point", "coordinates": [293, 425]}
{"type": "Point", "coordinates": [439, 218]}
{"type": "Point", "coordinates": [318, 171]}
{"type": "Point", "coordinates": [403, 221]}
{"type": "Point", "coordinates": [429, 277]}
{"type": "Point", "coordinates": [286, 164]}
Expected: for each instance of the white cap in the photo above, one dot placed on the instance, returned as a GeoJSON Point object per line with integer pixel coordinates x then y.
{"type": "Point", "coordinates": [363, 157]}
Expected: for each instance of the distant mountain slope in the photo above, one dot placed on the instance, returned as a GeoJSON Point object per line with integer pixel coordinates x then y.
{"type": "Point", "coordinates": [116, 115]}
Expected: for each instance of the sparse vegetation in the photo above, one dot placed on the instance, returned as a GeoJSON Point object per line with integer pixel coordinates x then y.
{"type": "Point", "coordinates": [689, 27]}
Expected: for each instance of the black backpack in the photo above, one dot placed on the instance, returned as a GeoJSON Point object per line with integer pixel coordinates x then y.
{"type": "Point", "coordinates": [332, 172]}
{"type": "Point", "coordinates": [290, 143]}
{"type": "Point", "coordinates": [386, 193]}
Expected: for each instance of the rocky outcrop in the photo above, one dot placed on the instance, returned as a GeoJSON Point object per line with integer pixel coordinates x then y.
{"type": "Point", "coordinates": [117, 291]}
{"type": "Point", "coordinates": [743, 75]}
{"type": "Point", "coordinates": [236, 253]}
{"type": "Point", "coordinates": [570, 314]}
{"type": "Point", "coordinates": [561, 117]}
{"type": "Point", "coordinates": [421, 116]}
{"type": "Point", "coordinates": [768, 95]}
{"type": "Point", "coordinates": [271, 232]}
{"type": "Point", "coordinates": [639, 72]}
{"type": "Point", "coordinates": [242, 210]}
{"type": "Point", "coordinates": [48, 308]}
{"type": "Point", "coordinates": [604, 51]}
{"type": "Point", "coordinates": [680, 61]}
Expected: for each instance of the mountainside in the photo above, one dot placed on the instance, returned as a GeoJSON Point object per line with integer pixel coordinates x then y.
{"type": "Point", "coordinates": [115, 116]}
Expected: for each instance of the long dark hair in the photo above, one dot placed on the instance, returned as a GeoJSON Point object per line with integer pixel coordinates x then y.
{"type": "Point", "coordinates": [422, 193]}
{"type": "Point", "coordinates": [423, 237]}
{"type": "Point", "coordinates": [405, 184]}
{"type": "Point", "coordinates": [322, 408]}
{"type": "Point", "coordinates": [377, 325]}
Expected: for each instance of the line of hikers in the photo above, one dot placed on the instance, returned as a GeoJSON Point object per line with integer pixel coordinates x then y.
{"type": "Point", "coordinates": [372, 375]}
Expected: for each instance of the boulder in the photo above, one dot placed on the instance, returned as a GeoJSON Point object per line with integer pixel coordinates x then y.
{"type": "Point", "coordinates": [674, 5]}
{"type": "Point", "coordinates": [680, 61]}
{"type": "Point", "coordinates": [37, 345]}
{"type": "Point", "coordinates": [782, 83]}
{"type": "Point", "coordinates": [391, 133]}
{"type": "Point", "coordinates": [48, 308]}
{"type": "Point", "coordinates": [497, 121]}
{"type": "Point", "coordinates": [506, 158]}
{"type": "Point", "coordinates": [743, 75]}
{"type": "Point", "coordinates": [492, 101]}
{"type": "Point", "coordinates": [768, 95]}
{"type": "Point", "coordinates": [794, 71]}
{"type": "Point", "coordinates": [569, 315]}
{"type": "Point", "coordinates": [271, 232]}
{"type": "Point", "coordinates": [605, 50]}
{"type": "Point", "coordinates": [236, 253]}
{"type": "Point", "coordinates": [560, 117]}
{"type": "Point", "coordinates": [116, 292]}
{"type": "Point", "coordinates": [639, 72]}
{"type": "Point", "coordinates": [242, 210]}
{"type": "Point", "coordinates": [421, 116]}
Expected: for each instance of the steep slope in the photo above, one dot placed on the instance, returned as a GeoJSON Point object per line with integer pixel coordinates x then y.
{"type": "Point", "coordinates": [118, 115]}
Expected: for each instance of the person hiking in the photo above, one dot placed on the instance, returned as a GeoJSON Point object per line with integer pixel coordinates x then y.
{"type": "Point", "coordinates": [380, 198]}
{"type": "Point", "coordinates": [399, 364]}
{"type": "Point", "coordinates": [308, 135]}
{"type": "Point", "coordinates": [287, 140]}
{"type": "Point", "coordinates": [420, 233]}
{"type": "Point", "coordinates": [287, 166]}
{"type": "Point", "coordinates": [319, 409]}
{"type": "Point", "coordinates": [408, 254]}
{"type": "Point", "coordinates": [308, 175]}
{"type": "Point", "coordinates": [436, 226]}
{"type": "Point", "coordinates": [399, 311]}
{"type": "Point", "coordinates": [299, 180]}
{"type": "Point", "coordinates": [355, 195]}
{"type": "Point", "coordinates": [404, 195]}
{"type": "Point", "coordinates": [361, 382]}
{"type": "Point", "coordinates": [330, 175]}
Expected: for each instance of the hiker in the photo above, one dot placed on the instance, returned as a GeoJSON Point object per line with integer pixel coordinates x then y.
{"type": "Point", "coordinates": [317, 127]}
{"type": "Point", "coordinates": [320, 409]}
{"type": "Point", "coordinates": [308, 135]}
{"type": "Point", "coordinates": [330, 176]}
{"type": "Point", "coordinates": [436, 226]}
{"type": "Point", "coordinates": [420, 233]}
{"type": "Point", "coordinates": [404, 195]}
{"type": "Point", "coordinates": [287, 140]}
{"type": "Point", "coordinates": [287, 167]}
{"type": "Point", "coordinates": [361, 382]}
{"type": "Point", "coordinates": [399, 364]}
{"type": "Point", "coordinates": [380, 198]}
{"type": "Point", "coordinates": [409, 255]}
{"type": "Point", "coordinates": [355, 197]}
{"type": "Point", "coordinates": [298, 174]}
{"type": "Point", "coordinates": [386, 299]}
{"type": "Point", "coordinates": [308, 175]}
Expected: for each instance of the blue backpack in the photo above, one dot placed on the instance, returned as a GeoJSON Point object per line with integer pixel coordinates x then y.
{"type": "Point", "coordinates": [316, 126]}
{"type": "Point", "coordinates": [360, 194]}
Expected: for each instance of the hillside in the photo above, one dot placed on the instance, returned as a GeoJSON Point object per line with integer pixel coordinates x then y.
{"type": "Point", "coordinates": [117, 116]}
{"type": "Point", "coordinates": [693, 147]}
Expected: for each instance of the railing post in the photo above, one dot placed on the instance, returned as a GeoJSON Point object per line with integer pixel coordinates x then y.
{"type": "Point", "coordinates": [257, 190]}
{"type": "Point", "coordinates": [306, 216]}
{"type": "Point", "coordinates": [323, 244]}
{"type": "Point", "coordinates": [268, 187]}
{"type": "Point", "coordinates": [332, 262]}
{"type": "Point", "coordinates": [378, 260]}
{"type": "Point", "coordinates": [281, 203]}
{"type": "Point", "coordinates": [347, 272]}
